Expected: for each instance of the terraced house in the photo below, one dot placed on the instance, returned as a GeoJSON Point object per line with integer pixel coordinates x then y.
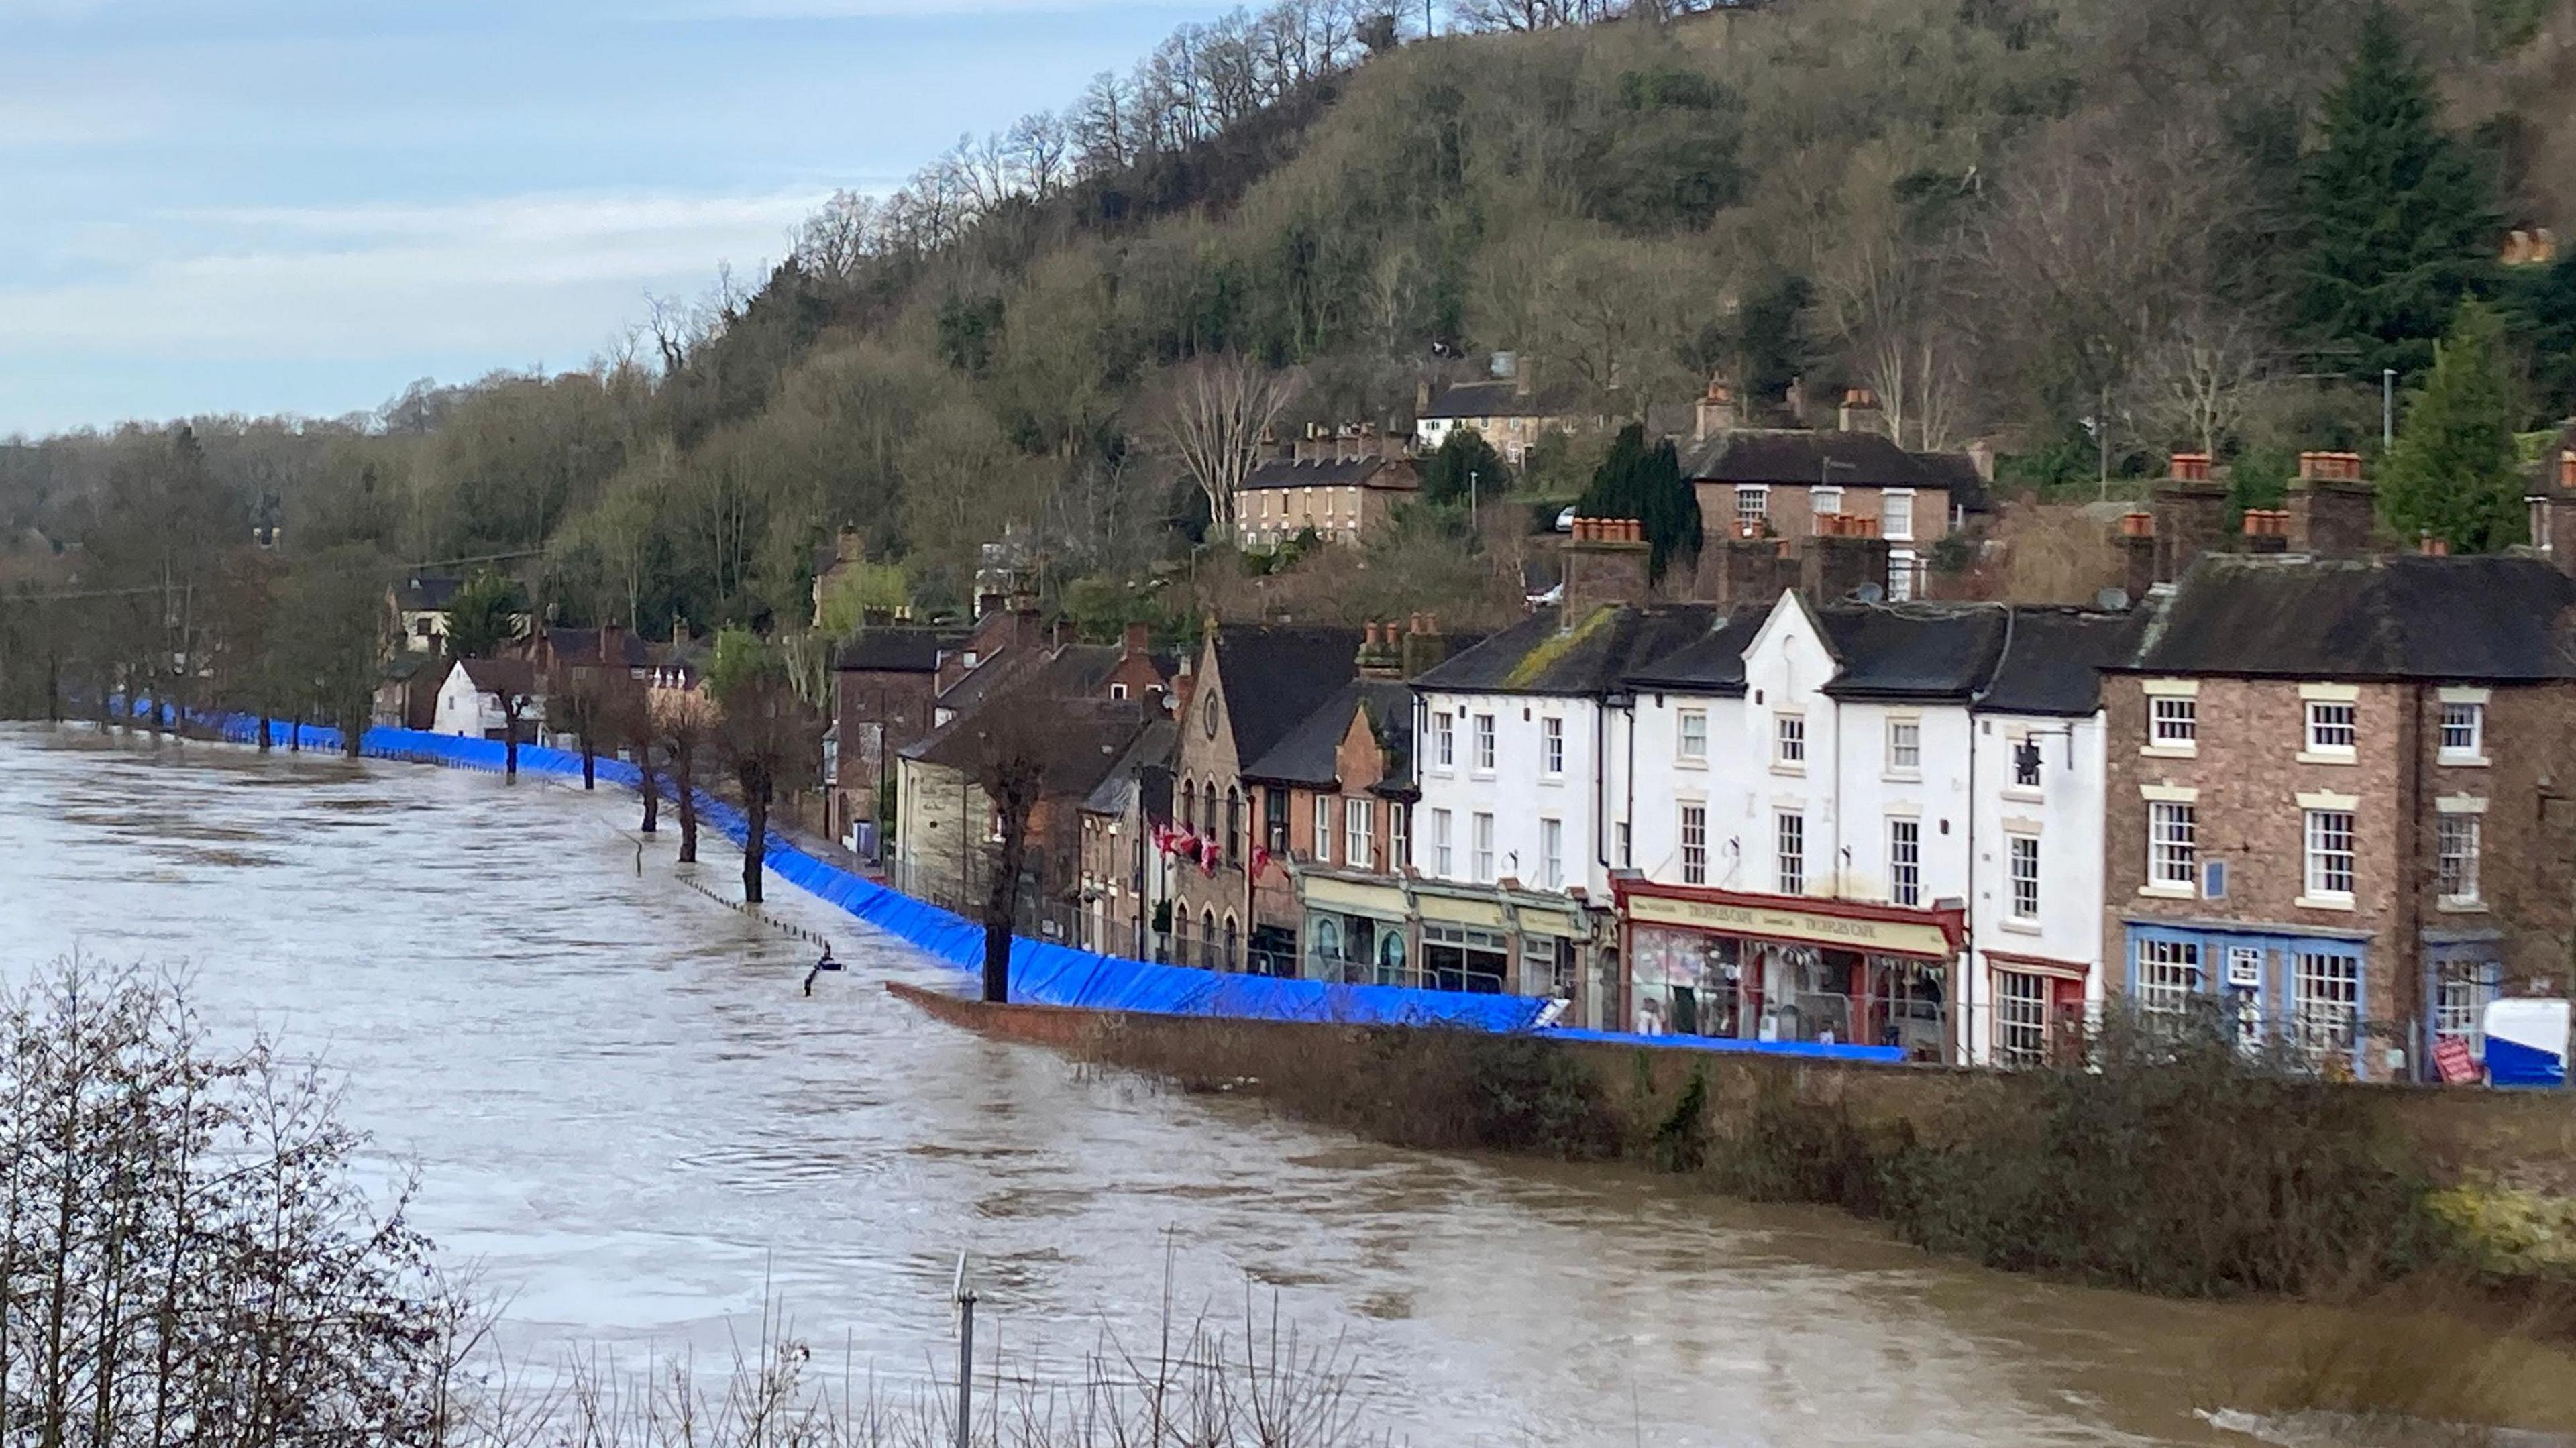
{"type": "Point", "coordinates": [2343, 800]}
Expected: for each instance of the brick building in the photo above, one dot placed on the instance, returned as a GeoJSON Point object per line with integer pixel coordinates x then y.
{"type": "Point", "coordinates": [2341, 799]}
{"type": "Point", "coordinates": [883, 683]}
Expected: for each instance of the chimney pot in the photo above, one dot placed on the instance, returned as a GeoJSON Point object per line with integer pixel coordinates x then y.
{"type": "Point", "coordinates": [2138, 525]}
{"type": "Point", "coordinates": [2432, 547]}
{"type": "Point", "coordinates": [2190, 467]}
{"type": "Point", "coordinates": [2567, 468]}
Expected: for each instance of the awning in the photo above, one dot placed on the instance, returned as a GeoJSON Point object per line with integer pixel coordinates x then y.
{"type": "Point", "coordinates": [1449, 910]}
{"type": "Point", "coordinates": [1876, 932]}
{"type": "Point", "coordinates": [1383, 901]}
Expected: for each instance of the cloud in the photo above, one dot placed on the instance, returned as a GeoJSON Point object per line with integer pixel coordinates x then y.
{"type": "Point", "coordinates": [519, 278]}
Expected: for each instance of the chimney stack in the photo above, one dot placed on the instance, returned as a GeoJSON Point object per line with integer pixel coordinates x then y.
{"type": "Point", "coordinates": [2190, 515]}
{"type": "Point", "coordinates": [2267, 530]}
{"type": "Point", "coordinates": [1716, 412]}
{"type": "Point", "coordinates": [1139, 639]}
{"type": "Point", "coordinates": [2333, 511]}
{"type": "Point", "coordinates": [1423, 644]}
{"type": "Point", "coordinates": [2137, 554]}
{"type": "Point", "coordinates": [2431, 546]}
{"type": "Point", "coordinates": [1381, 652]}
{"type": "Point", "coordinates": [1860, 411]}
{"type": "Point", "coordinates": [1842, 563]}
{"type": "Point", "coordinates": [1606, 564]}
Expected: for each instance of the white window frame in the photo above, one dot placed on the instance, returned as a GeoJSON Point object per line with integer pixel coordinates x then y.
{"type": "Point", "coordinates": [1444, 859]}
{"type": "Point", "coordinates": [1690, 736]}
{"type": "Point", "coordinates": [1551, 853]}
{"type": "Point", "coordinates": [2173, 844]}
{"type": "Point", "coordinates": [2169, 976]}
{"type": "Point", "coordinates": [2465, 719]}
{"type": "Point", "coordinates": [1904, 746]}
{"type": "Point", "coordinates": [1888, 526]}
{"type": "Point", "coordinates": [1481, 838]}
{"type": "Point", "coordinates": [1359, 833]}
{"type": "Point", "coordinates": [1324, 829]}
{"type": "Point", "coordinates": [1399, 833]}
{"type": "Point", "coordinates": [1444, 739]}
{"type": "Point", "coordinates": [1551, 746]}
{"type": "Point", "coordinates": [2325, 1003]}
{"type": "Point", "coordinates": [2458, 840]}
{"type": "Point", "coordinates": [1903, 566]}
{"type": "Point", "coordinates": [2329, 846]}
{"type": "Point", "coordinates": [1483, 743]}
{"type": "Point", "coordinates": [2173, 723]}
{"type": "Point", "coordinates": [1752, 506]}
{"type": "Point", "coordinates": [1692, 832]}
{"type": "Point", "coordinates": [1905, 861]}
{"type": "Point", "coordinates": [1789, 851]}
{"type": "Point", "coordinates": [1824, 500]}
{"type": "Point", "coordinates": [1627, 846]}
{"type": "Point", "coordinates": [2333, 729]}
{"type": "Point", "coordinates": [2021, 870]}
{"type": "Point", "coordinates": [2021, 1018]}
{"type": "Point", "coordinates": [2461, 991]}
{"type": "Point", "coordinates": [1789, 741]}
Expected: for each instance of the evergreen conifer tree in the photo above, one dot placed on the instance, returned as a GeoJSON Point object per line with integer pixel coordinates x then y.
{"type": "Point", "coordinates": [1614, 492]}
{"type": "Point", "coordinates": [2399, 219]}
{"type": "Point", "coordinates": [1463, 454]}
{"type": "Point", "coordinates": [1646, 483]}
{"type": "Point", "coordinates": [2454, 470]}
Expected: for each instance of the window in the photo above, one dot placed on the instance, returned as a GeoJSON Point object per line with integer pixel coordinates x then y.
{"type": "Point", "coordinates": [1399, 837]}
{"type": "Point", "coordinates": [2461, 990]}
{"type": "Point", "coordinates": [1190, 804]}
{"type": "Point", "coordinates": [1551, 745]}
{"type": "Point", "coordinates": [2330, 726]}
{"type": "Point", "coordinates": [1694, 844]}
{"type": "Point", "coordinates": [1902, 569]}
{"type": "Point", "coordinates": [1791, 832]}
{"type": "Point", "coordinates": [1789, 739]}
{"type": "Point", "coordinates": [1118, 691]}
{"type": "Point", "coordinates": [1752, 509]}
{"type": "Point", "coordinates": [1443, 864]}
{"type": "Point", "coordinates": [2176, 721]}
{"type": "Point", "coordinates": [1694, 734]}
{"type": "Point", "coordinates": [1896, 517]}
{"type": "Point", "coordinates": [2168, 975]}
{"type": "Point", "coordinates": [1824, 501]}
{"type": "Point", "coordinates": [2025, 763]}
{"type": "Point", "coordinates": [2330, 853]}
{"type": "Point", "coordinates": [1905, 862]}
{"type": "Point", "coordinates": [1444, 739]}
{"type": "Point", "coordinates": [1359, 831]}
{"type": "Point", "coordinates": [2464, 730]}
{"type": "Point", "coordinates": [1904, 745]}
{"type": "Point", "coordinates": [2325, 1003]}
{"type": "Point", "coordinates": [1274, 819]}
{"type": "Point", "coordinates": [1627, 855]}
{"type": "Point", "coordinates": [2021, 1018]}
{"type": "Point", "coordinates": [1551, 854]}
{"type": "Point", "coordinates": [1484, 842]}
{"type": "Point", "coordinates": [2173, 844]}
{"type": "Point", "coordinates": [2023, 854]}
{"type": "Point", "coordinates": [2456, 857]}
{"type": "Point", "coordinates": [1323, 829]}
{"type": "Point", "coordinates": [1485, 741]}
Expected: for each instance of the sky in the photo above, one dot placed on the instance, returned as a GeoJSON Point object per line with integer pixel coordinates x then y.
{"type": "Point", "coordinates": [302, 206]}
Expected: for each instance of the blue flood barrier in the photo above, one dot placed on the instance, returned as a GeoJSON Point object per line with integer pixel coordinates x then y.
{"type": "Point", "coordinates": [1041, 972]}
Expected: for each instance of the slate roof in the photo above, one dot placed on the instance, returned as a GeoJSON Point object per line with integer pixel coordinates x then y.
{"type": "Point", "coordinates": [1713, 662]}
{"type": "Point", "coordinates": [497, 676]}
{"type": "Point", "coordinates": [899, 649]}
{"type": "Point", "coordinates": [1392, 474]}
{"type": "Point", "coordinates": [1594, 656]}
{"type": "Point", "coordinates": [1501, 397]}
{"type": "Point", "coordinates": [2406, 616]}
{"type": "Point", "coordinates": [580, 648]}
{"type": "Point", "coordinates": [2053, 664]}
{"type": "Point", "coordinates": [426, 594]}
{"type": "Point", "coordinates": [1083, 739]}
{"type": "Point", "coordinates": [1912, 651]}
{"type": "Point", "coordinates": [1788, 457]}
{"type": "Point", "coordinates": [1308, 755]}
{"type": "Point", "coordinates": [1151, 749]}
{"type": "Point", "coordinates": [1273, 676]}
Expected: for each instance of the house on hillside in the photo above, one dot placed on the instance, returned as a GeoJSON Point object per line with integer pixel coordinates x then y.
{"type": "Point", "coordinates": [1344, 500]}
{"type": "Point", "coordinates": [1791, 483]}
{"type": "Point", "coordinates": [2338, 800]}
{"type": "Point", "coordinates": [419, 607]}
{"type": "Point", "coordinates": [470, 702]}
{"type": "Point", "coordinates": [1509, 411]}
{"type": "Point", "coordinates": [884, 680]}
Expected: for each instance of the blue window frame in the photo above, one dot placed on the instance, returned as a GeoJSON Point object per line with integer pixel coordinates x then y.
{"type": "Point", "coordinates": [2278, 987]}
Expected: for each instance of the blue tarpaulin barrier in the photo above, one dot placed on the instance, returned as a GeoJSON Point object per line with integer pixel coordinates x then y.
{"type": "Point", "coordinates": [1042, 973]}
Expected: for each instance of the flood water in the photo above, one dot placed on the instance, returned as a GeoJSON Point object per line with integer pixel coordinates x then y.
{"type": "Point", "coordinates": [623, 1108]}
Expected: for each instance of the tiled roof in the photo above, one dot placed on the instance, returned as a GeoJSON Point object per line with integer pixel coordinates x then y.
{"type": "Point", "coordinates": [1592, 656]}
{"type": "Point", "coordinates": [500, 676]}
{"type": "Point", "coordinates": [1912, 651]}
{"type": "Point", "coordinates": [899, 649]}
{"type": "Point", "coordinates": [580, 648]}
{"type": "Point", "coordinates": [2473, 619]}
{"type": "Point", "coordinates": [423, 594]}
{"type": "Point", "coordinates": [2053, 661]}
{"type": "Point", "coordinates": [1713, 662]}
{"type": "Point", "coordinates": [1273, 676]}
{"type": "Point", "coordinates": [1800, 458]}
{"type": "Point", "coordinates": [1393, 474]}
{"type": "Point", "coordinates": [1309, 755]}
{"type": "Point", "coordinates": [1500, 398]}
{"type": "Point", "coordinates": [1082, 741]}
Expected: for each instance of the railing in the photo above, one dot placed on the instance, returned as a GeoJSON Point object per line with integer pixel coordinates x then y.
{"type": "Point", "coordinates": [1342, 970]}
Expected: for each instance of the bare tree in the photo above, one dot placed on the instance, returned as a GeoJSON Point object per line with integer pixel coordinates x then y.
{"type": "Point", "coordinates": [1012, 742]}
{"type": "Point", "coordinates": [683, 720]}
{"type": "Point", "coordinates": [1220, 411]}
{"type": "Point", "coordinates": [2202, 379]}
{"type": "Point", "coordinates": [766, 735]}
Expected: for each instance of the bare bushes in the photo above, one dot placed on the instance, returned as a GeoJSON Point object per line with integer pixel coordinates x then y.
{"type": "Point", "coordinates": [184, 1255]}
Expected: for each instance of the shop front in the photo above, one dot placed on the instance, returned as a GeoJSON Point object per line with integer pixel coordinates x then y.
{"type": "Point", "coordinates": [1355, 931]}
{"type": "Point", "coordinates": [1723, 963]}
{"type": "Point", "coordinates": [1438, 935]}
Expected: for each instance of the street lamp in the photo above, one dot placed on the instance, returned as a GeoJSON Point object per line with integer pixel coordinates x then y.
{"type": "Point", "coordinates": [2387, 408]}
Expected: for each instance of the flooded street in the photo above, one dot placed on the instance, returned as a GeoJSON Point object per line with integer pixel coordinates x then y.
{"type": "Point", "coordinates": [627, 1116]}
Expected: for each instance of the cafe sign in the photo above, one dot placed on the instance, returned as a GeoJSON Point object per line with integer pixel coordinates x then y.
{"type": "Point", "coordinates": [1765, 922]}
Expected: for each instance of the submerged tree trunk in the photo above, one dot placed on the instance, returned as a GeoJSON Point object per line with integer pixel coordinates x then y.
{"type": "Point", "coordinates": [263, 732]}
{"type": "Point", "coordinates": [510, 744]}
{"type": "Point", "coordinates": [1002, 899]}
{"type": "Point", "coordinates": [755, 800]}
{"type": "Point", "coordinates": [652, 783]}
{"type": "Point", "coordinates": [589, 760]}
{"type": "Point", "coordinates": [295, 732]}
{"type": "Point", "coordinates": [684, 760]}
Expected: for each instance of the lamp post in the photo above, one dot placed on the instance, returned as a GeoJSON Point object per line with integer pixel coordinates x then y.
{"type": "Point", "coordinates": [2387, 408]}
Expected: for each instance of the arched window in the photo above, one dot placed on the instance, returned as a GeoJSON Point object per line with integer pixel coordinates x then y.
{"type": "Point", "coordinates": [1207, 939]}
{"type": "Point", "coordinates": [1233, 825]}
{"type": "Point", "coordinates": [1233, 939]}
{"type": "Point", "coordinates": [1189, 804]}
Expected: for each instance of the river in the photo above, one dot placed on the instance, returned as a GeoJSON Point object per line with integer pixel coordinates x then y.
{"type": "Point", "coordinates": [627, 1115]}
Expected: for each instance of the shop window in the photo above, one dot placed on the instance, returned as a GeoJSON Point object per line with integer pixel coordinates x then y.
{"type": "Point", "coordinates": [1905, 862]}
{"type": "Point", "coordinates": [1461, 958]}
{"type": "Point", "coordinates": [2325, 1002]}
{"type": "Point", "coordinates": [2168, 976]}
{"type": "Point", "coordinates": [2330, 854]}
{"type": "Point", "coordinates": [1694, 837]}
{"type": "Point", "coordinates": [2023, 852]}
{"type": "Point", "coordinates": [2021, 1019]}
{"type": "Point", "coordinates": [1790, 829]}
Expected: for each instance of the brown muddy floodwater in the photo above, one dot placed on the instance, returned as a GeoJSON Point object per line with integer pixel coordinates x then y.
{"type": "Point", "coordinates": [623, 1108]}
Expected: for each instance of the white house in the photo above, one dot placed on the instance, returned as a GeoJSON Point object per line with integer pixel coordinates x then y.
{"type": "Point", "coordinates": [470, 701]}
{"type": "Point", "coordinates": [1837, 835]}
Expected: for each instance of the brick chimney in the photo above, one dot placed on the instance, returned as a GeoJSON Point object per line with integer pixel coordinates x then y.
{"type": "Point", "coordinates": [1860, 411]}
{"type": "Point", "coordinates": [2137, 554]}
{"type": "Point", "coordinates": [2267, 530]}
{"type": "Point", "coordinates": [1424, 644]}
{"type": "Point", "coordinates": [1605, 564]}
{"type": "Point", "coordinates": [2432, 547]}
{"type": "Point", "coordinates": [1381, 652]}
{"type": "Point", "coordinates": [1717, 411]}
{"type": "Point", "coordinates": [2332, 511]}
{"type": "Point", "coordinates": [1839, 561]}
{"type": "Point", "coordinates": [2190, 514]}
{"type": "Point", "coordinates": [1138, 642]}
{"type": "Point", "coordinates": [1738, 569]}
